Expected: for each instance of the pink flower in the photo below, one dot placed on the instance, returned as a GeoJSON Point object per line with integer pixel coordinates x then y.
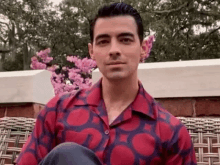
{"type": "Point", "coordinates": [34, 59]}
{"type": "Point", "coordinates": [86, 65]}
{"type": "Point", "coordinates": [74, 70]}
{"type": "Point", "coordinates": [78, 81]}
{"type": "Point", "coordinates": [88, 81]}
{"type": "Point", "coordinates": [64, 68]}
{"type": "Point", "coordinates": [59, 88]}
{"type": "Point", "coordinates": [52, 68]}
{"type": "Point", "coordinates": [149, 44]}
{"type": "Point", "coordinates": [47, 59]}
{"type": "Point", "coordinates": [69, 88]}
{"type": "Point", "coordinates": [58, 78]}
{"type": "Point", "coordinates": [72, 59]}
{"type": "Point", "coordinates": [60, 82]}
{"type": "Point", "coordinates": [43, 52]}
{"type": "Point", "coordinates": [38, 65]}
{"type": "Point", "coordinates": [44, 55]}
{"type": "Point", "coordinates": [78, 63]}
{"type": "Point", "coordinates": [73, 75]}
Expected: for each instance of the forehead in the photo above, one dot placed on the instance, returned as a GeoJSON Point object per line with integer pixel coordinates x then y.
{"type": "Point", "coordinates": [114, 25]}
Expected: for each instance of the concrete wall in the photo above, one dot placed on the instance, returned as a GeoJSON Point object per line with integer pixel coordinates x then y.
{"type": "Point", "coordinates": [33, 86]}
{"type": "Point", "coordinates": [24, 93]}
{"type": "Point", "coordinates": [185, 88]}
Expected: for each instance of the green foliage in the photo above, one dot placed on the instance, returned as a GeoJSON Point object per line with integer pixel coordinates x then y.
{"type": "Point", "coordinates": [34, 25]}
{"type": "Point", "coordinates": [175, 25]}
{"type": "Point", "coordinates": [20, 29]}
{"type": "Point", "coordinates": [17, 64]}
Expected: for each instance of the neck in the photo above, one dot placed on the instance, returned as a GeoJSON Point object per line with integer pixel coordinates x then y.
{"type": "Point", "coordinates": [119, 92]}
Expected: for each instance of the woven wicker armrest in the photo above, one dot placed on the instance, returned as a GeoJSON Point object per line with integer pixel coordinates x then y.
{"type": "Point", "coordinates": [205, 135]}
{"type": "Point", "coordinates": [14, 132]}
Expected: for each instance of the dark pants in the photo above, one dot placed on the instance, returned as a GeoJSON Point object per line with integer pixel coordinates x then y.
{"type": "Point", "coordinates": [70, 153]}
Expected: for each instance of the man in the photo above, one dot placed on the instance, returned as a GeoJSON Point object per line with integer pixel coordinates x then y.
{"type": "Point", "coordinates": [116, 122]}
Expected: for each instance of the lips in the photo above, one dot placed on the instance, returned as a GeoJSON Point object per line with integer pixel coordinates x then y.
{"type": "Point", "coordinates": [115, 63]}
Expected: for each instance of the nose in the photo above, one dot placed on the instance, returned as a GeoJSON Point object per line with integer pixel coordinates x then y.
{"type": "Point", "coordinates": [115, 49]}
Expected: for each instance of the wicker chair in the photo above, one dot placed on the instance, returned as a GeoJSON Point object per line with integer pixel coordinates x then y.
{"type": "Point", "coordinates": [14, 132]}
{"type": "Point", "coordinates": [205, 134]}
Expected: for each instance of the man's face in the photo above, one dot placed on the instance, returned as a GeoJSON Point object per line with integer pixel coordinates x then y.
{"type": "Point", "coordinates": [116, 47]}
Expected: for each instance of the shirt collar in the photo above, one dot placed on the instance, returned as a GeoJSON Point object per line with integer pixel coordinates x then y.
{"type": "Point", "coordinates": [143, 102]}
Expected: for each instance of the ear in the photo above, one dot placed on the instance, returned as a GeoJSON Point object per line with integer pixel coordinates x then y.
{"type": "Point", "coordinates": [144, 49]}
{"type": "Point", "coordinates": [90, 47]}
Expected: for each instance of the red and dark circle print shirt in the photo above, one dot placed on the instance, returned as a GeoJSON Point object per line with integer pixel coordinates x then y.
{"type": "Point", "coordinates": [144, 133]}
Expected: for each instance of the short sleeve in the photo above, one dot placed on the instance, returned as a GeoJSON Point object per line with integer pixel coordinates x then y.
{"type": "Point", "coordinates": [42, 139]}
{"type": "Point", "coordinates": [180, 150]}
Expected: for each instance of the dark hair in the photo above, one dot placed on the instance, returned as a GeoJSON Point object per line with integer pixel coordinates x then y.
{"type": "Point", "coordinates": [118, 9]}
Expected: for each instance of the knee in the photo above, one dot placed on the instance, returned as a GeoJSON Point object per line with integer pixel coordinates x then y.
{"type": "Point", "coordinates": [66, 147]}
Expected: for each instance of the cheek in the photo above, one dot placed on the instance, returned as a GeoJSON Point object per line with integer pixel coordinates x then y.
{"type": "Point", "coordinates": [135, 58]}
{"type": "Point", "coordinates": [133, 52]}
{"type": "Point", "coordinates": [99, 60]}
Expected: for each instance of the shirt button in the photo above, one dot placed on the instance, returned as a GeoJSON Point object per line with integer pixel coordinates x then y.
{"type": "Point", "coordinates": [107, 132]}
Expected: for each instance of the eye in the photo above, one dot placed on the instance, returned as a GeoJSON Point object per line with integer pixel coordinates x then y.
{"type": "Point", "coordinates": [126, 40]}
{"type": "Point", "coordinates": [102, 42]}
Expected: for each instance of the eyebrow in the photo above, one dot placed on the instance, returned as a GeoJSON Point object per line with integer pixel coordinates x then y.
{"type": "Point", "coordinates": [126, 34]}
{"type": "Point", "coordinates": [102, 36]}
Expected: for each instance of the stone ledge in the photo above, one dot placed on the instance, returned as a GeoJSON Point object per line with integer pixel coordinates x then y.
{"type": "Point", "coordinates": [195, 78]}
{"type": "Point", "coordinates": [33, 86]}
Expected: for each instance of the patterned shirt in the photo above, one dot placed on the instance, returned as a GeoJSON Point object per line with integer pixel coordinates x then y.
{"type": "Point", "coordinates": [144, 133]}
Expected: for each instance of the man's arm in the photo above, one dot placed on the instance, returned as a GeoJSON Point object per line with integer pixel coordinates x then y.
{"type": "Point", "coordinates": [180, 151]}
{"type": "Point", "coordinates": [42, 139]}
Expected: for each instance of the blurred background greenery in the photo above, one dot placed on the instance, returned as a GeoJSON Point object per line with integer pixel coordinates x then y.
{"type": "Point", "coordinates": [184, 29]}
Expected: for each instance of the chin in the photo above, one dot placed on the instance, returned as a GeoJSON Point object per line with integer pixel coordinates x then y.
{"type": "Point", "coordinates": [116, 76]}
